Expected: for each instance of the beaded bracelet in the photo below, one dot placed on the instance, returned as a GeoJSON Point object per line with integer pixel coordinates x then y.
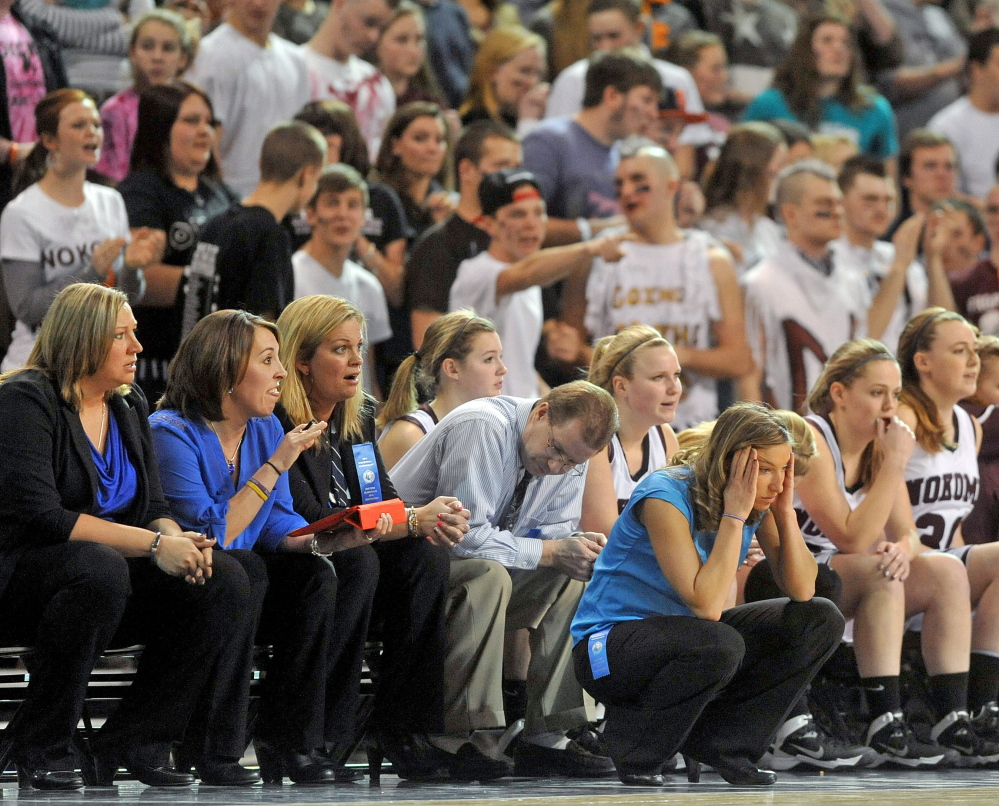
{"type": "Point", "coordinates": [258, 488]}
{"type": "Point", "coordinates": [734, 517]}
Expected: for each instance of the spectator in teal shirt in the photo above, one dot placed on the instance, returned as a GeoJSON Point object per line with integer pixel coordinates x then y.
{"type": "Point", "coordinates": [819, 84]}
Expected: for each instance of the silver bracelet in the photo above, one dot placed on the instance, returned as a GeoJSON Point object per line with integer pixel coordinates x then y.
{"type": "Point", "coordinates": [154, 547]}
{"type": "Point", "coordinates": [315, 548]}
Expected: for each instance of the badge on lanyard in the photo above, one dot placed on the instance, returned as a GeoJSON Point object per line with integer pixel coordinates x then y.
{"type": "Point", "coordinates": [367, 472]}
{"type": "Point", "coordinates": [597, 648]}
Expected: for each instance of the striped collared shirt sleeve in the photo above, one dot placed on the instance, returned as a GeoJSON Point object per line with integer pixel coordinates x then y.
{"type": "Point", "coordinates": [473, 454]}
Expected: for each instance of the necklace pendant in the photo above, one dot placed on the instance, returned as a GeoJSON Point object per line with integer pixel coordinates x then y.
{"type": "Point", "coordinates": [231, 466]}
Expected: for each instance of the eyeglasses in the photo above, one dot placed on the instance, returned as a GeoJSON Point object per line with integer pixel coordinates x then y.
{"type": "Point", "coordinates": [555, 454]}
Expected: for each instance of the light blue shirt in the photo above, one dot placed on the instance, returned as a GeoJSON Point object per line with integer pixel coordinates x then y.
{"type": "Point", "coordinates": [871, 127]}
{"type": "Point", "coordinates": [197, 484]}
{"type": "Point", "coordinates": [473, 454]}
{"type": "Point", "coordinates": [627, 583]}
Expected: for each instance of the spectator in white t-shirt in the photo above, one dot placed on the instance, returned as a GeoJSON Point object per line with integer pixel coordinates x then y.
{"type": "Point", "coordinates": [336, 215]}
{"type": "Point", "coordinates": [350, 29]}
{"type": "Point", "coordinates": [504, 282]}
{"type": "Point", "coordinates": [971, 122]}
{"type": "Point", "coordinates": [255, 80]}
{"type": "Point", "coordinates": [615, 24]}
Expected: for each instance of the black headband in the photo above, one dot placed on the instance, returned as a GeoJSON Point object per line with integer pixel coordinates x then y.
{"type": "Point", "coordinates": [640, 344]}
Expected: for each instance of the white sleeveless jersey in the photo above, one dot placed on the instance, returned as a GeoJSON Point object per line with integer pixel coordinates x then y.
{"type": "Point", "coordinates": [796, 317]}
{"type": "Point", "coordinates": [943, 486]}
{"type": "Point", "coordinates": [653, 458]}
{"type": "Point", "coordinates": [815, 539]}
{"type": "Point", "coordinates": [423, 418]}
{"type": "Point", "coordinates": [671, 288]}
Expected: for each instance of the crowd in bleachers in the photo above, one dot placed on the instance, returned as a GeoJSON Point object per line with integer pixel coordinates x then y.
{"type": "Point", "coordinates": [267, 260]}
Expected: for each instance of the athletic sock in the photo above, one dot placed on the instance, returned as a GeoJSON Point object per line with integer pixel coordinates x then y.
{"type": "Point", "coordinates": [983, 679]}
{"type": "Point", "coordinates": [882, 694]}
{"type": "Point", "coordinates": [949, 692]}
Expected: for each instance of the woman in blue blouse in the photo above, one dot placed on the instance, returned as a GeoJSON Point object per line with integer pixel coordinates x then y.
{"type": "Point", "coordinates": [89, 555]}
{"type": "Point", "coordinates": [223, 459]}
{"type": "Point", "coordinates": [675, 670]}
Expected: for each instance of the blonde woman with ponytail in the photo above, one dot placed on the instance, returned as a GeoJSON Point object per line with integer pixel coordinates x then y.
{"type": "Point", "coordinates": [641, 371]}
{"type": "Point", "coordinates": [940, 366]}
{"type": "Point", "coordinates": [461, 359]}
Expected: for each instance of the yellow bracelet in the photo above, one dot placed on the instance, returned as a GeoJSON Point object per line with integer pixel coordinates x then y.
{"type": "Point", "coordinates": [254, 485]}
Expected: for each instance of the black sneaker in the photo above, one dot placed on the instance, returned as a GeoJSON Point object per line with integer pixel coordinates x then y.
{"type": "Point", "coordinates": [573, 761]}
{"type": "Point", "coordinates": [986, 722]}
{"type": "Point", "coordinates": [894, 741]}
{"type": "Point", "coordinates": [802, 740]}
{"type": "Point", "coordinates": [956, 732]}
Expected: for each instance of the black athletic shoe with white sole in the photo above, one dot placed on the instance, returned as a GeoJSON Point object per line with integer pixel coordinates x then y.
{"type": "Point", "coordinates": [801, 740]}
{"type": "Point", "coordinates": [894, 741]}
{"type": "Point", "coordinates": [957, 732]}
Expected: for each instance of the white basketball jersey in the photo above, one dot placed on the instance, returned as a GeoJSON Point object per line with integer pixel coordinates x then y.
{"type": "Point", "coordinates": [671, 288]}
{"type": "Point", "coordinates": [653, 458]}
{"type": "Point", "coordinates": [815, 539]}
{"type": "Point", "coordinates": [423, 418]}
{"type": "Point", "coordinates": [943, 486]}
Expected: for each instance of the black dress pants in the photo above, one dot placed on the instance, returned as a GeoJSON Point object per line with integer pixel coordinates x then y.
{"type": "Point", "coordinates": [72, 600]}
{"type": "Point", "coordinates": [411, 605]}
{"type": "Point", "coordinates": [298, 620]}
{"type": "Point", "coordinates": [715, 690]}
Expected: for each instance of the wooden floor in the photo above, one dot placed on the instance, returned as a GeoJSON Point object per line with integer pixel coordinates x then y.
{"type": "Point", "coordinates": [870, 788]}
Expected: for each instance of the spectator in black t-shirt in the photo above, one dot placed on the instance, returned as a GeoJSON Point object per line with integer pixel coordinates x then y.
{"type": "Point", "coordinates": [483, 147]}
{"type": "Point", "coordinates": [413, 161]}
{"type": "Point", "coordinates": [173, 185]}
{"type": "Point", "coordinates": [244, 257]}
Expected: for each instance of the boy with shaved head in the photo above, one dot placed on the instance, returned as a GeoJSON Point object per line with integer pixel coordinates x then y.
{"type": "Point", "coordinates": [802, 303]}
{"type": "Point", "coordinates": [672, 279]}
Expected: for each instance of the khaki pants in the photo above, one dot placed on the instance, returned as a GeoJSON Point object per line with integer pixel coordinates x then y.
{"type": "Point", "coordinates": [485, 602]}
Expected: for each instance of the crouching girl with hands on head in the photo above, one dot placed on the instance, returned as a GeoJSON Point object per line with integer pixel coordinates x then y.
{"type": "Point", "coordinates": [654, 643]}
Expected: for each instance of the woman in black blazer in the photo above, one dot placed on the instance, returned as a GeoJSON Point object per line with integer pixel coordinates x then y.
{"type": "Point", "coordinates": [89, 555]}
{"type": "Point", "coordinates": [404, 576]}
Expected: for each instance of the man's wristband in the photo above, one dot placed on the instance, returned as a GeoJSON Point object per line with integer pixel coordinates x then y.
{"type": "Point", "coordinates": [585, 229]}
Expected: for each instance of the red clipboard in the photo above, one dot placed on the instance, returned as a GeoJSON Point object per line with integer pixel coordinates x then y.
{"type": "Point", "coordinates": [363, 516]}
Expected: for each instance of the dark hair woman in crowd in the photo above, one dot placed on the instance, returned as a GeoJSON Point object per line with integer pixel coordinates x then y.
{"type": "Point", "coordinates": [654, 643]}
{"type": "Point", "coordinates": [60, 228]}
{"type": "Point", "coordinates": [224, 458]}
{"type": "Point", "coordinates": [412, 160]}
{"type": "Point", "coordinates": [90, 554]}
{"type": "Point", "coordinates": [174, 185]}
{"type": "Point", "coordinates": [820, 81]}
{"type": "Point", "coordinates": [737, 193]}
{"type": "Point", "coordinates": [323, 345]}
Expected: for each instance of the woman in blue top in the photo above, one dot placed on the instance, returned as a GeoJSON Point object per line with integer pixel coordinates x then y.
{"type": "Point", "coordinates": [223, 458]}
{"type": "Point", "coordinates": [819, 84]}
{"type": "Point", "coordinates": [653, 643]}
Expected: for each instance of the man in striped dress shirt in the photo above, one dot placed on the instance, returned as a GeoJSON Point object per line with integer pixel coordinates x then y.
{"type": "Point", "coordinates": [517, 465]}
